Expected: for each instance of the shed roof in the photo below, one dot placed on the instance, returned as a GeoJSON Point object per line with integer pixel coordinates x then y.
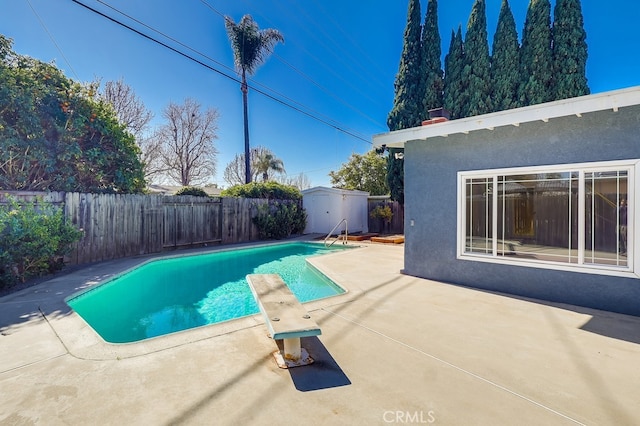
{"type": "Point", "coordinates": [612, 100]}
{"type": "Point", "coordinates": [334, 191]}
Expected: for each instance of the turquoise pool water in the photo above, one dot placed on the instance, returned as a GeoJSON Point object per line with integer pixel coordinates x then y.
{"type": "Point", "coordinates": [179, 293]}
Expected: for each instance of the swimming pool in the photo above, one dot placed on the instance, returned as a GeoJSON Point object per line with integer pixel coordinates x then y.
{"type": "Point", "coordinates": [178, 293]}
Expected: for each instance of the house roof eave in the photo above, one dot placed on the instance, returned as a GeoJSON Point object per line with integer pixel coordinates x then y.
{"type": "Point", "coordinates": [612, 100]}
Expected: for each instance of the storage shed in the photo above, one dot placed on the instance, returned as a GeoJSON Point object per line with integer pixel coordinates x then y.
{"type": "Point", "coordinates": [326, 207]}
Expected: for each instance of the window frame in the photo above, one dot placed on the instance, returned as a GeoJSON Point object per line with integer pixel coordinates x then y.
{"type": "Point", "coordinates": [633, 181]}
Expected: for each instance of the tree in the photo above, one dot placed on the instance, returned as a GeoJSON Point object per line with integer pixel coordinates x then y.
{"type": "Point", "coordinates": [395, 175]}
{"type": "Point", "coordinates": [281, 216]}
{"type": "Point", "coordinates": [536, 64]}
{"type": "Point", "coordinates": [269, 190]}
{"type": "Point", "coordinates": [129, 109]}
{"type": "Point", "coordinates": [151, 157]}
{"type": "Point", "coordinates": [266, 162]}
{"type": "Point", "coordinates": [251, 47]}
{"type": "Point", "coordinates": [431, 61]}
{"type": "Point", "coordinates": [133, 114]}
{"type": "Point", "coordinates": [455, 93]}
{"type": "Point", "coordinates": [477, 67]}
{"type": "Point", "coordinates": [192, 190]}
{"type": "Point", "coordinates": [34, 238]}
{"type": "Point", "coordinates": [234, 173]}
{"type": "Point", "coordinates": [362, 172]}
{"type": "Point", "coordinates": [188, 151]}
{"type": "Point", "coordinates": [300, 181]}
{"type": "Point", "coordinates": [409, 87]}
{"type": "Point", "coordinates": [55, 135]}
{"type": "Point", "coordinates": [505, 61]}
{"type": "Point", "coordinates": [110, 160]}
{"type": "Point", "coordinates": [569, 50]}
{"type": "Point", "coordinates": [407, 103]}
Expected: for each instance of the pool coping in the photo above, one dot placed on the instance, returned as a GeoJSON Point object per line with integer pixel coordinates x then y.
{"type": "Point", "coordinates": [83, 342]}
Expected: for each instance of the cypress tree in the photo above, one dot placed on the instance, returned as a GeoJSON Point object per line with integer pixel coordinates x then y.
{"type": "Point", "coordinates": [431, 62]}
{"type": "Point", "coordinates": [395, 175]}
{"type": "Point", "coordinates": [477, 70]}
{"type": "Point", "coordinates": [536, 64]}
{"type": "Point", "coordinates": [569, 50]}
{"type": "Point", "coordinates": [407, 108]}
{"type": "Point", "coordinates": [454, 86]}
{"type": "Point", "coordinates": [505, 61]}
{"type": "Point", "coordinates": [407, 102]}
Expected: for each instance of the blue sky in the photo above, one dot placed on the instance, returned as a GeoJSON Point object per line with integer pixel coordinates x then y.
{"type": "Point", "coordinates": [338, 62]}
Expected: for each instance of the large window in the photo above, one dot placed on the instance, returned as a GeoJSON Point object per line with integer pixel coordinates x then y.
{"type": "Point", "coordinates": [579, 216]}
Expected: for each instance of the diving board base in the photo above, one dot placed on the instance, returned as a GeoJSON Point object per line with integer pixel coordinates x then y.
{"type": "Point", "coordinates": [286, 363]}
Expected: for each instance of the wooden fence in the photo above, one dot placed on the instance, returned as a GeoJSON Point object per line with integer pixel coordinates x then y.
{"type": "Point", "coordinates": [122, 225]}
{"type": "Point", "coordinates": [397, 220]}
{"type": "Point", "coordinates": [116, 225]}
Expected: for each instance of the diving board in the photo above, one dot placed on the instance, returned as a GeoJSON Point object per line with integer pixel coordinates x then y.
{"type": "Point", "coordinates": [285, 317]}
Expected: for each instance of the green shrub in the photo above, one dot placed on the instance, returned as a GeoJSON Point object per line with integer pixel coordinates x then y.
{"type": "Point", "coordinates": [277, 219]}
{"type": "Point", "coordinates": [192, 190]}
{"type": "Point", "coordinates": [382, 212]}
{"type": "Point", "coordinates": [33, 240]}
{"type": "Point", "coordinates": [270, 190]}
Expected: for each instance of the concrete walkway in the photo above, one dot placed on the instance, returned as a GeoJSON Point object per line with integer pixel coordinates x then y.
{"type": "Point", "coordinates": [394, 350]}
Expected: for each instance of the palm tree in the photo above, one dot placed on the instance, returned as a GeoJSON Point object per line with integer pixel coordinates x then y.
{"type": "Point", "coordinates": [251, 47]}
{"type": "Point", "coordinates": [264, 161]}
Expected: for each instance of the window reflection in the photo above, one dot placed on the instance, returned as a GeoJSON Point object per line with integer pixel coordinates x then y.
{"type": "Point", "coordinates": [479, 215]}
{"type": "Point", "coordinates": [538, 216]}
{"type": "Point", "coordinates": [606, 218]}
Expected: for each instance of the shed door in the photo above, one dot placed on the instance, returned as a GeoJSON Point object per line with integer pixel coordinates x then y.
{"type": "Point", "coordinates": [321, 211]}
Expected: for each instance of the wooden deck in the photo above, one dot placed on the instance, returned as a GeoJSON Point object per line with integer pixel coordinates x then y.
{"type": "Point", "coordinates": [391, 239]}
{"type": "Point", "coordinates": [361, 237]}
{"type": "Point", "coordinates": [372, 237]}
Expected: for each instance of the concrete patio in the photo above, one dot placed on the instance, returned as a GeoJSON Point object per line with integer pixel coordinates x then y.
{"type": "Point", "coordinates": [394, 350]}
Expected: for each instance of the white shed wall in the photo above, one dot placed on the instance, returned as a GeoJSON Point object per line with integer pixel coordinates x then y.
{"type": "Point", "coordinates": [327, 206]}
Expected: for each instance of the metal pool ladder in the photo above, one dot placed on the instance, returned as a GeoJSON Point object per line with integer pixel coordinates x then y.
{"type": "Point", "coordinates": [346, 234]}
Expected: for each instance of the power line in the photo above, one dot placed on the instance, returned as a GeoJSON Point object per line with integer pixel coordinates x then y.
{"type": "Point", "coordinates": [311, 113]}
{"type": "Point", "coordinates": [163, 35]}
{"type": "Point", "coordinates": [353, 42]}
{"type": "Point", "coordinates": [212, 8]}
{"type": "Point", "coordinates": [212, 68]}
{"type": "Point", "coordinates": [339, 58]}
{"type": "Point", "coordinates": [318, 85]}
{"type": "Point", "coordinates": [53, 40]}
{"type": "Point", "coordinates": [338, 51]}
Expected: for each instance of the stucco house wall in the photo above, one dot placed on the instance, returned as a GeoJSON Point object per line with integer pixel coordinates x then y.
{"type": "Point", "coordinates": [431, 194]}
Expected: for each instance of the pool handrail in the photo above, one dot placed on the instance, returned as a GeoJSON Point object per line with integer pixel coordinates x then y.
{"type": "Point", "coordinates": [346, 233]}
